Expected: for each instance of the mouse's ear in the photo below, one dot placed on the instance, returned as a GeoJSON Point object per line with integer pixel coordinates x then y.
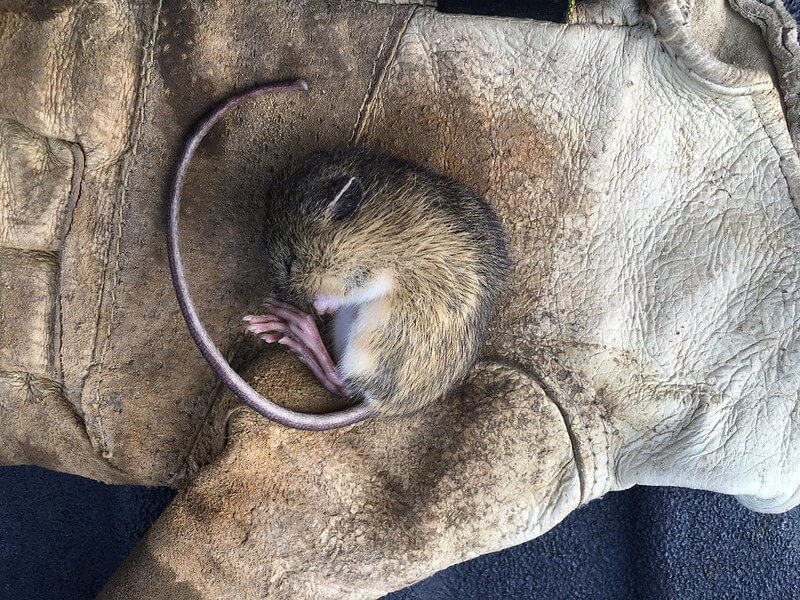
{"type": "Point", "coordinates": [348, 193]}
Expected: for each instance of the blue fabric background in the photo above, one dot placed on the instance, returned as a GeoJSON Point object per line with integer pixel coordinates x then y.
{"type": "Point", "coordinates": [62, 536]}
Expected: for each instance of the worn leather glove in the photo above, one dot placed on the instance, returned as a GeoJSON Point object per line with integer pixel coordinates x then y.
{"type": "Point", "coordinates": [642, 161]}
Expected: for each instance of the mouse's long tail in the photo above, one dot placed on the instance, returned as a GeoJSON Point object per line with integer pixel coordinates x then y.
{"type": "Point", "coordinates": [213, 356]}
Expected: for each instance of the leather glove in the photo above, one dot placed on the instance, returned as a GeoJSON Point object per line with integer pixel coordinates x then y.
{"type": "Point", "coordinates": [647, 336]}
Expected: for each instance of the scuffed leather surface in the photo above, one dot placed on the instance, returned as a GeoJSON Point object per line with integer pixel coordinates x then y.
{"type": "Point", "coordinates": [646, 272]}
{"type": "Point", "coordinates": [129, 370]}
{"type": "Point", "coordinates": [38, 192]}
{"type": "Point", "coordinates": [648, 336]}
{"type": "Point", "coordinates": [382, 505]}
{"type": "Point", "coordinates": [68, 110]}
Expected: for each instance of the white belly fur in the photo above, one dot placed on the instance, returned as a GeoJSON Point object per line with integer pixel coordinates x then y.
{"type": "Point", "coordinates": [352, 324]}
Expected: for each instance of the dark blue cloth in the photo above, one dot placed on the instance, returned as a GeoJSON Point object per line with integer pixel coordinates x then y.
{"type": "Point", "coordinates": [61, 536]}
{"type": "Point", "coordinates": [650, 543]}
{"type": "Point", "coordinates": [794, 7]}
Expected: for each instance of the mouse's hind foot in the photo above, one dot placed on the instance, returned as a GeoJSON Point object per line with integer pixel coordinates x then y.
{"type": "Point", "coordinates": [297, 330]}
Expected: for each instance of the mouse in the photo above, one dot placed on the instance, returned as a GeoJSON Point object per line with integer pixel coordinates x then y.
{"type": "Point", "coordinates": [400, 264]}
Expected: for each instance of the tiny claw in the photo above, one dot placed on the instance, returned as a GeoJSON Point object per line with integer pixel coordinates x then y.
{"type": "Point", "coordinates": [248, 318]}
{"type": "Point", "coordinates": [270, 338]}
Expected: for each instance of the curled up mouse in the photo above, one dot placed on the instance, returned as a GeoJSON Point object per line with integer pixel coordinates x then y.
{"type": "Point", "coordinates": [405, 262]}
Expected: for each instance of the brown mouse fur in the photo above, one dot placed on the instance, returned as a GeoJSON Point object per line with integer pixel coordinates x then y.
{"type": "Point", "coordinates": [410, 257]}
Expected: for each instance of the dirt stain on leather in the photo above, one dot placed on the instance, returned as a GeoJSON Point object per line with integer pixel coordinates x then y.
{"type": "Point", "coordinates": [40, 11]}
{"type": "Point", "coordinates": [500, 146]}
{"type": "Point", "coordinates": [187, 90]}
{"type": "Point", "coordinates": [161, 580]}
